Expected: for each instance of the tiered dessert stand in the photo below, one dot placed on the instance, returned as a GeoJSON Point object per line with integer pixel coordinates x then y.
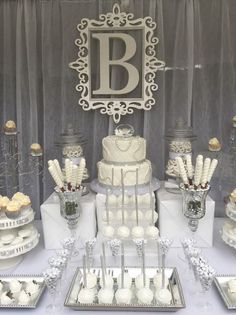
{"type": "Point", "coordinates": [12, 251]}
{"type": "Point", "coordinates": [228, 232]}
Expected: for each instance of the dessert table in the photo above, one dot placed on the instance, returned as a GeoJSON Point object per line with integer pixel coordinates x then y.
{"type": "Point", "coordinates": [220, 256]}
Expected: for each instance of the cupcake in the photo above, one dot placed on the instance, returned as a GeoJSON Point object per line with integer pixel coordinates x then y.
{"type": "Point", "coordinates": [10, 127]}
{"type": "Point", "coordinates": [234, 121]}
{"type": "Point", "coordinates": [18, 195]}
{"type": "Point", "coordinates": [25, 203]}
{"type": "Point", "coordinates": [36, 149]}
{"type": "Point", "coordinates": [232, 196]}
{"type": "Point", "coordinates": [13, 209]}
{"type": "Point", "coordinates": [4, 202]}
{"type": "Point", "coordinates": [214, 145]}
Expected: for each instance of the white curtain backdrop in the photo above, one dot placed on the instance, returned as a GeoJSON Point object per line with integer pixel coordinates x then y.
{"type": "Point", "coordinates": [37, 88]}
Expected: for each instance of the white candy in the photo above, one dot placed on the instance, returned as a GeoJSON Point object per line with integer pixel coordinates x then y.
{"type": "Point", "coordinates": [145, 296]}
{"type": "Point", "coordinates": [198, 172]}
{"type": "Point", "coordinates": [148, 216]}
{"type": "Point", "coordinates": [139, 282]}
{"type": "Point", "coordinates": [140, 215]}
{"type": "Point", "coordinates": [163, 296]}
{"type": "Point", "coordinates": [123, 296]}
{"type": "Point", "coordinates": [86, 296]}
{"type": "Point", "coordinates": [6, 300]}
{"type": "Point", "coordinates": [189, 166]}
{"type": "Point", "coordinates": [105, 296]}
{"type": "Point", "coordinates": [127, 281]}
{"type": "Point", "coordinates": [157, 280]}
{"type": "Point", "coordinates": [137, 232]}
{"type": "Point", "coordinates": [108, 281]}
{"type": "Point", "coordinates": [23, 298]}
{"type": "Point", "coordinates": [91, 280]}
{"type": "Point", "coordinates": [123, 232]}
{"type": "Point", "coordinates": [119, 215]}
{"type": "Point", "coordinates": [182, 170]}
{"type": "Point", "coordinates": [212, 169]}
{"type": "Point", "coordinates": [152, 232]}
{"type": "Point", "coordinates": [108, 231]}
{"type": "Point", "coordinates": [15, 286]}
{"type": "Point", "coordinates": [104, 216]}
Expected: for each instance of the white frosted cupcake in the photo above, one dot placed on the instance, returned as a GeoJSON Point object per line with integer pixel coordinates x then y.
{"type": "Point", "coordinates": [25, 203]}
{"type": "Point", "coordinates": [15, 287]}
{"type": "Point", "coordinates": [7, 298]}
{"type": "Point", "coordinates": [18, 195]}
{"type": "Point", "coordinates": [4, 202]}
{"type": "Point", "coordinates": [32, 288]}
{"type": "Point", "coordinates": [13, 209]}
{"type": "Point", "coordinates": [24, 298]}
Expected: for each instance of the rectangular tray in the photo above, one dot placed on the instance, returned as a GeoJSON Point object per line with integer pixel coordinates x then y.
{"type": "Point", "coordinates": [174, 286]}
{"type": "Point", "coordinates": [222, 287]}
{"type": "Point", "coordinates": [24, 278]}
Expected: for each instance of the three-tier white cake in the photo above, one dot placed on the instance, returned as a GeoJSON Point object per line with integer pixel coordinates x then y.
{"type": "Point", "coordinates": [127, 153]}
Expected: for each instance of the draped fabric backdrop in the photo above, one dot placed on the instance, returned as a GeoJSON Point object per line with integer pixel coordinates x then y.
{"type": "Point", "coordinates": [37, 88]}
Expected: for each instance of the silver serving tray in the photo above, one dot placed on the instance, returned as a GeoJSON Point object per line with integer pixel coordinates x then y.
{"type": "Point", "coordinates": [24, 278]}
{"type": "Point", "coordinates": [174, 286]}
{"type": "Point", "coordinates": [223, 289]}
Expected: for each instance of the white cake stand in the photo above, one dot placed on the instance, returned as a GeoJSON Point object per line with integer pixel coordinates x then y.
{"type": "Point", "coordinates": [11, 255]}
{"type": "Point", "coordinates": [116, 190]}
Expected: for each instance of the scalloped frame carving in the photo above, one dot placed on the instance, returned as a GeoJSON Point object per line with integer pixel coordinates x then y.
{"type": "Point", "coordinates": [118, 21]}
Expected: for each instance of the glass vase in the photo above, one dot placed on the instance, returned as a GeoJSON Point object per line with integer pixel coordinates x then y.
{"type": "Point", "coordinates": [194, 205]}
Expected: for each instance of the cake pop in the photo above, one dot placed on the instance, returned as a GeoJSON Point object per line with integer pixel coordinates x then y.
{"type": "Point", "coordinates": [123, 232]}
{"type": "Point", "coordinates": [163, 296]}
{"type": "Point", "coordinates": [86, 295]}
{"type": "Point", "coordinates": [108, 231]}
{"type": "Point", "coordinates": [137, 232]}
{"type": "Point", "coordinates": [145, 296]}
{"type": "Point", "coordinates": [123, 296]}
{"type": "Point", "coordinates": [152, 232]}
{"type": "Point", "coordinates": [105, 295]}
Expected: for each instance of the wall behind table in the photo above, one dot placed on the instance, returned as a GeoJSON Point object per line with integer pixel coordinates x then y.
{"type": "Point", "coordinates": [37, 89]}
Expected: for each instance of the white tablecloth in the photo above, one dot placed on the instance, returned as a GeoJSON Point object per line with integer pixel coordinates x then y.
{"type": "Point", "coordinates": [221, 257]}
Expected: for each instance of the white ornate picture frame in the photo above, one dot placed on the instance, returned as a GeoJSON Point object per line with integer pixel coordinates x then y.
{"type": "Point", "coordinates": [119, 23]}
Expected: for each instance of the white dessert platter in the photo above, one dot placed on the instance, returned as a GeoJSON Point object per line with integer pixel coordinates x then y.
{"type": "Point", "coordinates": [33, 284]}
{"type": "Point", "coordinates": [25, 217]}
{"type": "Point", "coordinates": [177, 298]}
{"type": "Point", "coordinates": [15, 243]}
{"type": "Point", "coordinates": [97, 187]}
{"type": "Point", "coordinates": [222, 283]}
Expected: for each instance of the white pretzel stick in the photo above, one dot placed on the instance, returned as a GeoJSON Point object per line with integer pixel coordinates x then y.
{"type": "Point", "coordinates": [50, 163]}
{"type": "Point", "coordinates": [182, 170]}
{"type": "Point", "coordinates": [74, 176]}
{"type": "Point", "coordinates": [198, 172]}
{"type": "Point", "coordinates": [58, 168]}
{"type": "Point", "coordinates": [55, 176]}
{"type": "Point", "coordinates": [68, 169]}
{"type": "Point", "coordinates": [205, 171]}
{"type": "Point", "coordinates": [212, 168]}
{"type": "Point", "coordinates": [80, 171]}
{"type": "Point", "coordinates": [189, 166]}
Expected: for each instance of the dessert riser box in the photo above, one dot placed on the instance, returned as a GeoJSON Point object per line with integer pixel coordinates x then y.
{"type": "Point", "coordinates": [174, 225]}
{"type": "Point", "coordinates": [101, 211]}
{"type": "Point", "coordinates": [55, 226]}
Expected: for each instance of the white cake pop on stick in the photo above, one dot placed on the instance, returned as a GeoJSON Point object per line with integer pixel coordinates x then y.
{"type": "Point", "coordinates": [144, 294]}
{"type": "Point", "coordinates": [137, 231]}
{"type": "Point", "coordinates": [142, 280]}
{"type": "Point", "coordinates": [152, 231]}
{"type": "Point", "coordinates": [108, 284]}
{"type": "Point", "coordinates": [123, 294]}
{"type": "Point", "coordinates": [108, 230]}
{"type": "Point", "coordinates": [212, 168]}
{"type": "Point", "coordinates": [123, 231]}
{"type": "Point", "coordinates": [105, 294]}
{"type": "Point", "coordinates": [86, 295]}
{"type": "Point", "coordinates": [91, 277]}
{"type": "Point", "coordinates": [205, 171]}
